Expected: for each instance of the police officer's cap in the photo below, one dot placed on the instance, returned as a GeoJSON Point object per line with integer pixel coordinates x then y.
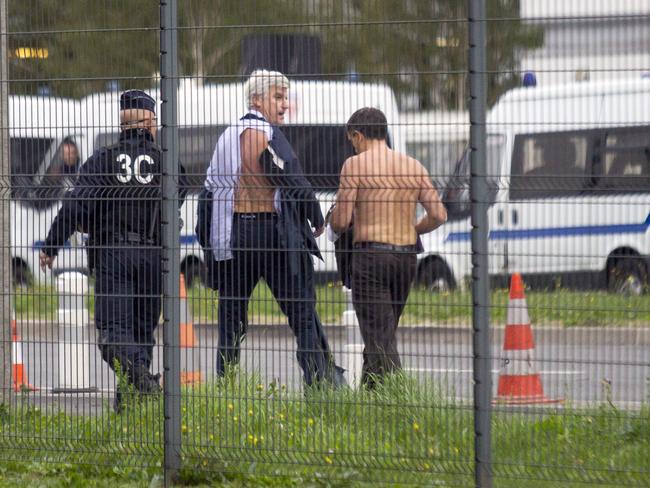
{"type": "Point", "coordinates": [137, 99]}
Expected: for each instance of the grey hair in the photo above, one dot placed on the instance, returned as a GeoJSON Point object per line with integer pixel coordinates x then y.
{"type": "Point", "coordinates": [261, 81]}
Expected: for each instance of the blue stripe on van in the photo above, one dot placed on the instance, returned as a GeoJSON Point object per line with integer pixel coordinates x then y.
{"type": "Point", "coordinates": [186, 239]}
{"type": "Point", "coordinates": [557, 232]}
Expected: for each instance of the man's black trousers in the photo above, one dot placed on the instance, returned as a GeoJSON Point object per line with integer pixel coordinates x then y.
{"type": "Point", "coordinates": [259, 253]}
{"type": "Point", "coordinates": [380, 287]}
{"type": "Point", "coordinates": [127, 303]}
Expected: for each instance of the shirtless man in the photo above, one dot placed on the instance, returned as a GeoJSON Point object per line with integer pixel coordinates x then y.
{"type": "Point", "coordinates": [379, 189]}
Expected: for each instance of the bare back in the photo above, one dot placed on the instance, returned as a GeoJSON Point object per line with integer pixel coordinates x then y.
{"type": "Point", "coordinates": [388, 186]}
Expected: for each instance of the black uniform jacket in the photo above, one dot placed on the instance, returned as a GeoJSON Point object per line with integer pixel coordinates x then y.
{"type": "Point", "coordinates": [117, 195]}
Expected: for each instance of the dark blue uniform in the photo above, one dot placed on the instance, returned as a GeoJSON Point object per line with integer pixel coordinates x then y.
{"type": "Point", "coordinates": [116, 200]}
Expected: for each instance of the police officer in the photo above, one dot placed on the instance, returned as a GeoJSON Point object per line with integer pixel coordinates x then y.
{"type": "Point", "coordinates": [116, 201]}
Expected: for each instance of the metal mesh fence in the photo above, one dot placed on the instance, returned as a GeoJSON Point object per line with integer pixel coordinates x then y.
{"type": "Point", "coordinates": [228, 277]}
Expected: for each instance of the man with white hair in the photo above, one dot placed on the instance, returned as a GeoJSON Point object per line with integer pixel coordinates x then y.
{"type": "Point", "coordinates": [265, 218]}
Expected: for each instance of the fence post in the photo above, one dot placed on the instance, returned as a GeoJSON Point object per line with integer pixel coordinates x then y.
{"type": "Point", "coordinates": [5, 218]}
{"type": "Point", "coordinates": [480, 279]}
{"type": "Point", "coordinates": [170, 237]}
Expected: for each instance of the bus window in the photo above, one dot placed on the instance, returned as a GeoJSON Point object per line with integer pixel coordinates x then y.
{"type": "Point", "coordinates": [550, 164]}
{"type": "Point", "coordinates": [26, 155]}
{"type": "Point", "coordinates": [625, 160]}
{"type": "Point", "coordinates": [437, 156]}
{"type": "Point", "coordinates": [196, 145]}
{"type": "Point", "coordinates": [322, 150]}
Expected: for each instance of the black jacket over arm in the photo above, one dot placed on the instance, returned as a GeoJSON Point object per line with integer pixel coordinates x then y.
{"type": "Point", "coordinates": [300, 210]}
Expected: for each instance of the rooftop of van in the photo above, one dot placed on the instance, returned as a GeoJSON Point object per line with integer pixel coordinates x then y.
{"type": "Point", "coordinates": [33, 113]}
{"type": "Point", "coordinates": [311, 102]}
{"type": "Point", "coordinates": [572, 106]}
{"type": "Point", "coordinates": [577, 89]}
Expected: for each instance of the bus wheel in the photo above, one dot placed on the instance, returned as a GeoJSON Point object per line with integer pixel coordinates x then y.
{"type": "Point", "coordinates": [194, 272]}
{"type": "Point", "coordinates": [435, 276]}
{"type": "Point", "coordinates": [627, 277]}
{"type": "Point", "coordinates": [20, 272]}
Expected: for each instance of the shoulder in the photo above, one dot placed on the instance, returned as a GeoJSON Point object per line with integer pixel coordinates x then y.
{"type": "Point", "coordinates": [254, 136]}
{"type": "Point", "coordinates": [352, 165]}
{"type": "Point", "coordinates": [414, 166]}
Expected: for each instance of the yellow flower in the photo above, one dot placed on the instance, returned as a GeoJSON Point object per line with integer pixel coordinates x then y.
{"type": "Point", "coordinates": [416, 427]}
{"type": "Point", "coordinates": [426, 466]}
{"type": "Point", "coordinates": [250, 413]}
{"type": "Point", "coordinates": [328, 460]}
{"type": "Point", "coordinates": [235, 418]}
{"type": "Point", "coordinates": [260, 387]}
{"type": "Point", "coordinates": [281, 416]}
{"type": "Point", "coordinates": [431, 451]}
{"type": "Point", "coordinates": [184, 429]}
{"type": "Point", "coordinates": [310, 421]}
{"type": "Point", "coordinates": [231, 407]}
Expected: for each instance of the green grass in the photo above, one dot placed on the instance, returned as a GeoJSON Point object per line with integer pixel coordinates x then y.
{"type": "Point", "coordinates": [241, 432]}
{"type": "Point", "coordinates": [564, 308]}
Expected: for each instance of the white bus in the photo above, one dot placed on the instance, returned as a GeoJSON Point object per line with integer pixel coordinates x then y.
{"type": "Point", "coordinates": [39, 127]}
{"type": "Point", "coordinates": [315, 126]}
{"type": "Point", "coordinates": [569, 190]}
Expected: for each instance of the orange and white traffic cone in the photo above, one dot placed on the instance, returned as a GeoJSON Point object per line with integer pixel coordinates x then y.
{"type": "Point", "coordinates": [191, 371]}
{"type": "Point", "coordinates": [18, 369]}
{"type": "Point", "coordinates": [519, 382]}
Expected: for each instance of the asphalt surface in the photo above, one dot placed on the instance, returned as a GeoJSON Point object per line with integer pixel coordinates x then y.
{"type": "Point", "coordinates": [581, 366]}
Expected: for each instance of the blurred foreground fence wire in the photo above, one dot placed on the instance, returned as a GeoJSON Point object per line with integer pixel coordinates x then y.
{"type": "Point", "coordinates": [132, 349]}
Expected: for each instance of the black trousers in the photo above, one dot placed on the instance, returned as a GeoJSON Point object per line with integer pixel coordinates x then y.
{"type": "Point", "coordinates": [127, 303]}
{"type": "Point", "coordinates": [258, 253]}
{"type": "Point", "coordinates": [381, 282]}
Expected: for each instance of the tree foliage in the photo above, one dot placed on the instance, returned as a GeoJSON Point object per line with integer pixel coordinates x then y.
{"type": "Point", "coordinates": [419, 47]}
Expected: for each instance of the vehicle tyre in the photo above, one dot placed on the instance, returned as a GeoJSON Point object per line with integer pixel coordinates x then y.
{"type": "Point", "coordinates": [194, 272]}
{"type": "Point", "coordinates": [627, 276]}
{"type": "Point", "coordinates": [435, 276]}
{"type": "Point", "coordinates": [21, 274]}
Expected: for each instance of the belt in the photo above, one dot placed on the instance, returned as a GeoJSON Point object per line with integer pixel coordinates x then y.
{"type": "Point", "coordinates": [383, 246]}
{"type": "Point", "coordinates": [133, 238]}
{"type": "Point", "coordinates": [255, 215]}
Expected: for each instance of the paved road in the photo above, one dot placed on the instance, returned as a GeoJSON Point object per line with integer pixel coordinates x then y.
{"type": "Point", "coordinates": [582, 366]}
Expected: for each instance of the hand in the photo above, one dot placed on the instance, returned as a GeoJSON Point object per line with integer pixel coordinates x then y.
{"type": "Point", "coordinates": [318, 231]}
{"type": "Point", "coordinates": [45, 260]}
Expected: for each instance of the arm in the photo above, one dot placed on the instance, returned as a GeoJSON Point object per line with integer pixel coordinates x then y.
{"type": "Point", "coordinates": [436, 214]}
{"type": "Point", "coordinates": [346, 197]}
{"type": "Point", "coordinates": [77, 210]}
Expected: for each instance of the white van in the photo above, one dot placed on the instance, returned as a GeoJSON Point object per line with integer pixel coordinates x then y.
{"type": "Point", "coordinates": [315, 126]}
{"type": "Point", "coordinates": [39, 127]}
{"type": "Point", "coordinates": [569, 190]}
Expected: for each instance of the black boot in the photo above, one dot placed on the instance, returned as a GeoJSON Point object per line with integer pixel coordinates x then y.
{"type": "Point", "coordinates": [145, 382]}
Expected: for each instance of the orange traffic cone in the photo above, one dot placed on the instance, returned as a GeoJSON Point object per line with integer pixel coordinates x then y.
{"type": "Point", "coordinates": [18, 369]}
{"type": "Point", "coordinates": [191, 372]}
{"type": "Point", "coordinates": [519, 383]}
